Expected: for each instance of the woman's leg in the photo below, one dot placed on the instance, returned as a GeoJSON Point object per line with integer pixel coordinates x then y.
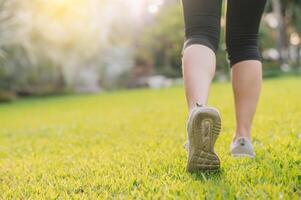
{"type": "Point", "coordinates": [243, 19]}
{"type": "Point", "coordinates": [246, 83]}
{"type": "Point", "coordinates": [202, 30]}
{"type": "Point", "coordinates": [198, 71]}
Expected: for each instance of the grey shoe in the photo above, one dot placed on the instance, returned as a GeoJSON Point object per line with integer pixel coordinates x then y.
{"type": "Point", "coordinates": [242, 147]}
{"type": "Point", "coordinates": [204, 125]}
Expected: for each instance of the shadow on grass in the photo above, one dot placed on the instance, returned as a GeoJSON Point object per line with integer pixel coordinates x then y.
{"type": "Point", "coordinates": [206, 176]}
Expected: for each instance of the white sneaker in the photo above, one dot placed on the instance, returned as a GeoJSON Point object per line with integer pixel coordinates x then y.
{"type": "Point", "coordinates": [203, 128]}
{"type": "Point", "coordinates": [242, 147]}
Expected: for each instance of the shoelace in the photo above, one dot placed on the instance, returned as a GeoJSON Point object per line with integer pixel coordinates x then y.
{"type": "Point", "coordinates": [241, 141]}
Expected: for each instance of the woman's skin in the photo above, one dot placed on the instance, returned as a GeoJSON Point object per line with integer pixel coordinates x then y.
{"type": "Point", "coordinates": [246, 84]}
{"type": "Point", "coordinates": [198, 71]}
{"type": "Point", "coordinates": [199, 64]}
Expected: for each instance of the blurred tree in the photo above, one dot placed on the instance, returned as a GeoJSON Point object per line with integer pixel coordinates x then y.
{"type": "Point", "coordinates": [45, 47]}
{"type": "Point", "coordinates": [288, 15]}
{"type": "Point", "coordinates": [294, 17]}
{"type": "Point", "coordinates": [279, 11]}
{"type": "Point", "coordinates": [161, 41]}
{"type": "Point", "coordinates": [12, 45]}
{"type": "Point", "coordinates": [20, 72]}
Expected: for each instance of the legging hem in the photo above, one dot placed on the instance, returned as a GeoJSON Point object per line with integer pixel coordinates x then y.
{"type": "Point", "coordinates": [201, 41]}
{"type": "Point", "coordinates": [241, 59]}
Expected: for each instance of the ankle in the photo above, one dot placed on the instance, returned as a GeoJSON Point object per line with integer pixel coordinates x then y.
{"type": "Point", "coordinates": [242, 135]}
{"type": "Point", "coordinates": [192, 107]}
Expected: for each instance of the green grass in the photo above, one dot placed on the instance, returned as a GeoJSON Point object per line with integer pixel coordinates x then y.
{"type": "Point", "coordinates": [126, 145]}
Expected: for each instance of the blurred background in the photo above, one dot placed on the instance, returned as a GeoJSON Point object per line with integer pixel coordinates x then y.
{"type": "Point", "coordinates": [88, 46]}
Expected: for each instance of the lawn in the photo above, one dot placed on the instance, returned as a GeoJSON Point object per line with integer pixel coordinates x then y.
{"type": "Point", "coordinates": [128, 144]}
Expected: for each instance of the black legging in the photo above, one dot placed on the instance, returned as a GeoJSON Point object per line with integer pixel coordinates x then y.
{"type": "Point", "coordinates": [202, 26]}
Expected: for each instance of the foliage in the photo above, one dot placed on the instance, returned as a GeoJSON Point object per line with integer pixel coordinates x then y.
{"type": "Point", "coordinates": [46, 45]}
{"type": "Point", "coordinates": [162, 41]}
{"type": "Point", "coordinates": [95, 147]}
{"type": "Point", "coordinates": [293, 8]}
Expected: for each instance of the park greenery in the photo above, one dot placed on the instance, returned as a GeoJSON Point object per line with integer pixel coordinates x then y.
{"type": "Point", "coordinates": [50, 47]}
{"type": "Point", "coordinates": [128, 145]}
{"type": "Point", "coordinates": [278, 31]}
{"type": "Point", "coordinates": [123, 144]}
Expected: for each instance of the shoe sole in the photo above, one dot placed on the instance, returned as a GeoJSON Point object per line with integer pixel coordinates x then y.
{"type": "Point", "coordinates": [205, 128]}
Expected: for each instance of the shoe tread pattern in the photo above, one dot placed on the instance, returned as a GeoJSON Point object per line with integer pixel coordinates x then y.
{"type": "Point", "coordinates": [205, 128]}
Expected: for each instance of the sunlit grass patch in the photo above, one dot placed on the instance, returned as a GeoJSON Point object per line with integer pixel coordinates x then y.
{"type": "Point", "coordinates": [129, 145]}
